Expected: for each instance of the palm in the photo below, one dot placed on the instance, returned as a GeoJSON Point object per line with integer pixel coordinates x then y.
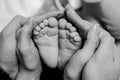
{"type": "Point", "coordinates": [103, 67]}
{"type": "Point", "coordinates": [8, 60]}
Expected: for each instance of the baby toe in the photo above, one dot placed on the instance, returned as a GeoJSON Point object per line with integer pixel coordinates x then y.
{"type": "Point", "coordinates": [45, 22]}
{"type": "Point", "coordinates": [42, 25]}
{"type": "Point", "coordinates": [68, 25]}
{"type": "Point", "coordinates": [62, 23]}
{"type": "Point", "coordinates": [72, 29]}
{"type": "Point", "coordinates": [77, 38]}
{"type": "Point", "coordinates": [38, 28]}
{"type": "Point", "coordinates": [35, 32]}
{"type": "Point", "coordinates": [52, 22]}
{"type": "Point", "coordinates": [73, 34]}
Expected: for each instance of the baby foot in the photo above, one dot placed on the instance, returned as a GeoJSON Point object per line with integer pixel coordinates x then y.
{"type": "Point", "coordinates": [46, 39]}
{"type": "Point", "coordinates": [69, 42]}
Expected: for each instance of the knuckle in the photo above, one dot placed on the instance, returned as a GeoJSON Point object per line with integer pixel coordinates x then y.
{"type": "Point", "coordinates": [84, 57]}
{"type": "Point", "coordinates": [70, 74]}
{"type": "Point", "coordinates": [5, 34]}
{"type": "Point", "coordinates": [24, 31]}
{"type": "Point", "coordinates": [6, 31]}
{"type": "Point", "coordinates": [106, 36]}
{"type": "Point", "coordinates": [28, 26]}
{"type": "Point", "coordinates": [18, 17]}
{"type": "Point", "coordinates": [109, 39]}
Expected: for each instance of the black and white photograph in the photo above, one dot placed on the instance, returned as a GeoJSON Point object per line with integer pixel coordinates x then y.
{"type": "Point", "coordinates": [59, 39]}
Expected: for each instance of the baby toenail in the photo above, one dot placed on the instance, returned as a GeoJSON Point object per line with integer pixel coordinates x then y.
{"type": "Point", "coordinates": [35, 32]}
{"type": "Point", "coordinates": [72, 29]}
{"type": "Point", "coordinates": [68, 25]}
{"type": "Point", "coordinates": [45, 22]}
{"type": "Point", "coordinates": [62, 23]}
{"type": "Point", "coordinates": [77, 38]}
{"type": "Point", "coordinates": [72, 34]}
{"type": "Point", "coordinates": [52, 22]}
{"type": "Point", "coordinates": [37, 28]}
{"type": "Point", "coordinates": [42, 25]}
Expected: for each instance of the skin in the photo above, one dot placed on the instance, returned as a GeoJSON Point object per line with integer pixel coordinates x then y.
{"type": "Point", "coordinates": [46, 39]}
{"type": "Point", "coordinates": [69, 42]}
{"type": "Point", "coordinates": [41, 41]}
{"type": "Point", "coordinates": [104, 65]}
{"type": "Point", "coordinates": [83, 25]}
{"type": "Point", "coordinates": [21, 29]}
{"type": "Point", "coordinates": [8, 59]}
{"type": "Point", "coordinates": [77, 62]}
{"type": "Point", "coordinates": [30, 66]}
{"type": "Point", "coordinates": [107, 52]}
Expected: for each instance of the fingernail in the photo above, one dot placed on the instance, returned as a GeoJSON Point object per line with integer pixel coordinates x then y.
{"type": "Point", "coordinates": [95, 33]}
{"type": "Point", "coordinates": [95, 29]}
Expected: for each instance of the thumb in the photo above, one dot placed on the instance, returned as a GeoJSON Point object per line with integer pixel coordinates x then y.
{"type": "Point", "coordinates": [26, 47]}
{"type": "Point", "coordinates": [92, 39]}
{"type": "Point", "coordinates": [82, 56]}
{"type": "Point", "coordinates": [30, 67]}
{"type": "Point", "coordinates": [81, 24]}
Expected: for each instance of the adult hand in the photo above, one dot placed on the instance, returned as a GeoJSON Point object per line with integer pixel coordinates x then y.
{"type": "Point", "coordinates": [8, 42]}
{"type": "Point", "coordinates": [29, 60]}
{"type": "Point", "coordinates": [82, 25]}
{"type": "Point", "coordinates": [85, 26]}
{"type": "Point", "coordinates": [9, 45]}
{"type": "Point", "coordinates": [30, 66]}
{"type": "Point", "coordinates": [78, 61]}
{"type": "Point", "coordinates": [105, 64]}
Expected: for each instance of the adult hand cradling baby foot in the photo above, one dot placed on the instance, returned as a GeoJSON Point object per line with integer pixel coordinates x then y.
{"type": "Point", "coordinates": [58, 42]}
{"type": "Point", "coordinates": [104, 64]}
{"type": "Point", "coordinates": [18, 55]}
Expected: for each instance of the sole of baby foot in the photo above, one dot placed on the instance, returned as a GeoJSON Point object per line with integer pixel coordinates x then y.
{"type": "Point", "coordinates": [69, 42]}
{"type": "Point", "coordinates": [46, 39]}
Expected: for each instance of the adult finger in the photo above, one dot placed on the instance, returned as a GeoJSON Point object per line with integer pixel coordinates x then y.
{"type": "Point", "coordinates": [77, 20]}
{"type": "Point", "coordinates": [107, 43]}
{"type": "Point", "coordinates": [8, 59]}
{"type": "Point", "coordinates": [26, 47]}
{"type": "Point", "coordinates": [79, 59]}
{"type": "Point", "coordinates": [16, 23]}
{"type": "Point", "coordinates": [40, 18]}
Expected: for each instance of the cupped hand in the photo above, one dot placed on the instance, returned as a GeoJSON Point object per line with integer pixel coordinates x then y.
{"type": "Point", "coordinates": [8, 44]}
{"type": "Point", "coordinates": [105, 64]}
{"type": "Point", "coordinates": [18, 53]}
